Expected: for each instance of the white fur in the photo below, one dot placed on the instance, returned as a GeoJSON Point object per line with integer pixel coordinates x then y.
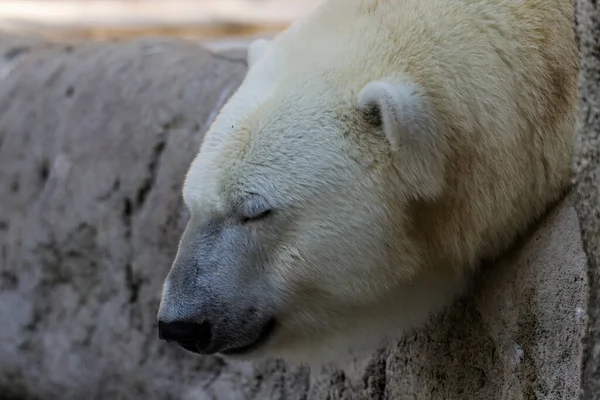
{"type": "Point", "coordinates": [377, 226]}
{"type": "Point", "coordinates": [256, 50]}
{"type": "Point", "coordinates": [410, 126]}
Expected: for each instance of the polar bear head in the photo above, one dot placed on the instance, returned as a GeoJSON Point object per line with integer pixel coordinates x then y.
{"type": "Point", "coordinates": [300, 242]}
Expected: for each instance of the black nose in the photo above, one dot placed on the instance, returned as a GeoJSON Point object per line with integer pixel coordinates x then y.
{"type": "Point", "coordinates": [191, 336]}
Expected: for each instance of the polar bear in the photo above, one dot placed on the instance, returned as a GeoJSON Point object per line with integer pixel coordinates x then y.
{"type": "Point", "coordinates": [375, 153]}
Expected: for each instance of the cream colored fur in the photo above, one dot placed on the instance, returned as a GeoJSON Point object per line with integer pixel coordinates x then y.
{"type": "Point", "coordinates": [400, 142]}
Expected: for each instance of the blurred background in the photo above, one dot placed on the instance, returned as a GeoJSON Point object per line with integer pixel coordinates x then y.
{"type": "Point", "coordinates": [211, 21]}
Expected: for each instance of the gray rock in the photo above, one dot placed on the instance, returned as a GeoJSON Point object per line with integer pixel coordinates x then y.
{"type": "Point", "coordinates": [586, 167]}
{"type": "Point", "coordinates": [94, 142]}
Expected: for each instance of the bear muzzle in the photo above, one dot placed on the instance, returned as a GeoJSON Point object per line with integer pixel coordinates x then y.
{"type": "Point", "coordinates": [212, 300]}
{"type": "Point", "coordinates": [202, 338]}
{"type": "Point", "coordinates": [189, 335]}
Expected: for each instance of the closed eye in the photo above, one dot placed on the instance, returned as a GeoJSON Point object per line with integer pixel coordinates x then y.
{"type": "Point", "coordinates": [257, 217]}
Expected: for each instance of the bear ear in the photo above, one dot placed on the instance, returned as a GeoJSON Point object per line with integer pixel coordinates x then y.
{"type": "Point", "coordinates": [403, 113]}
{"type": "Point", "coordinates": [256, 50]}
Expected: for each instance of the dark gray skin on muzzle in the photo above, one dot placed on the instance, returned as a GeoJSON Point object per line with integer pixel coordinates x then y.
{"type": "Point", "coordinates": [214, 299]}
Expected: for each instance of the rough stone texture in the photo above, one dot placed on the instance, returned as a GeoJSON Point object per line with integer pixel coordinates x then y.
{"type": "Point", "coordinates": [586, 167]}
{"type": "Point", "coordinates": [94, 143]}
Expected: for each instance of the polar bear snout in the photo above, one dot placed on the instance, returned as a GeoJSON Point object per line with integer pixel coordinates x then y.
{"type": "Point", "coordinates": [229, 339]}
{"type": "Point", "coordinates": [196, 337]}
{"type": "Point", "coordinates": [225, 332]}
{"type": "Point", "coordinates": [212, 300]}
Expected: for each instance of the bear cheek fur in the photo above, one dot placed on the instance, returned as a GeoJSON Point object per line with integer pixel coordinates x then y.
{"type": "Point", "coordinates": [347, 254]}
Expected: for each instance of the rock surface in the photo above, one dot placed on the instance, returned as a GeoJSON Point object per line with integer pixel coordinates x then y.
{"type": "Point", "coordinates": [94, 143]}
{"type": "Point", "coordinates": [586, 167]}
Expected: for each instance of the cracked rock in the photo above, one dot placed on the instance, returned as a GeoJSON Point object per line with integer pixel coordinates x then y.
{"type": "Point", "coordinates": [586, 168]}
